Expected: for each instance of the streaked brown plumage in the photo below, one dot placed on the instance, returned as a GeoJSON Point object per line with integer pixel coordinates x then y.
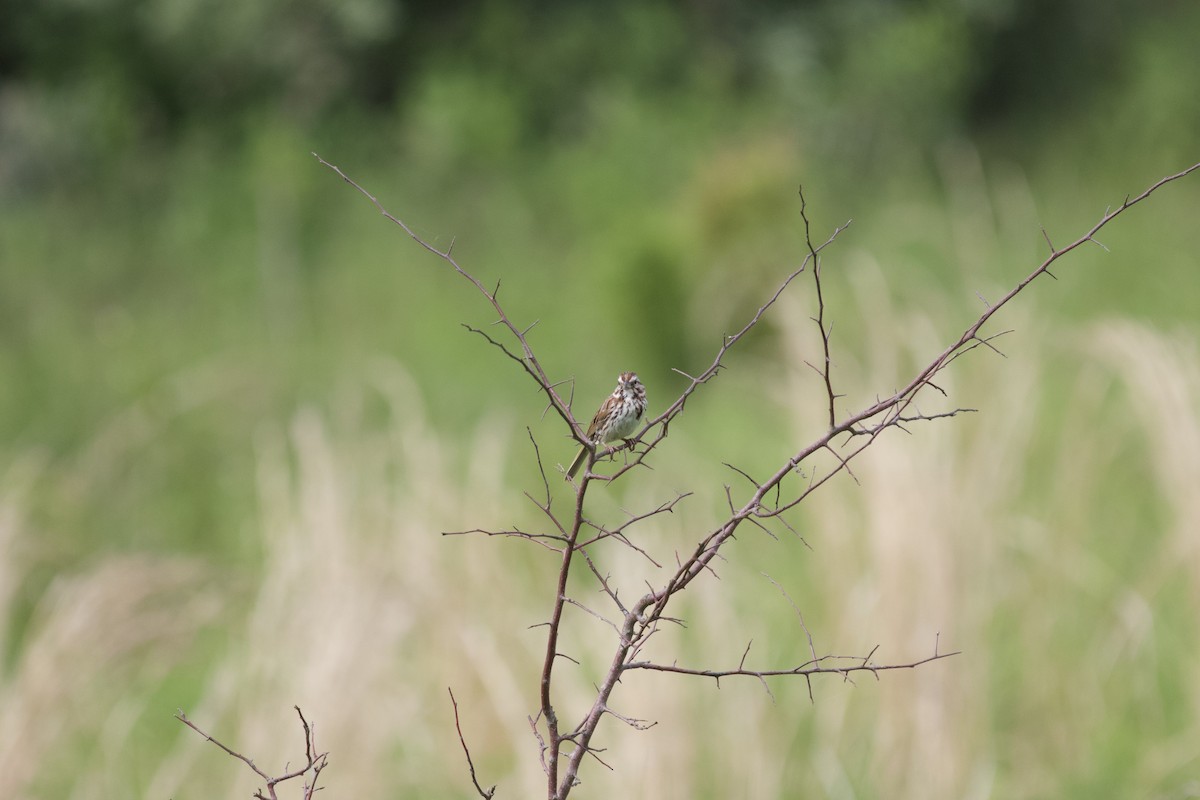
{"type": "Point", "coordinates": [617, 418]}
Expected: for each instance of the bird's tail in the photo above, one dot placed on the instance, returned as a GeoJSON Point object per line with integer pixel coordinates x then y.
{"type": "Point", "coordinates": [577, 463]}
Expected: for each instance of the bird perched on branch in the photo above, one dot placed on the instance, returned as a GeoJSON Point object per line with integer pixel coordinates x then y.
{"type": "Point", "coordinates": [618, 417]}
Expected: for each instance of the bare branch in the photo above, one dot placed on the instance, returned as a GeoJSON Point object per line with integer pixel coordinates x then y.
{"type": "Point", "coordinates": [533, 725]}
{"type": "Point", "coordinates": [633, 722]}
{"type": "Point", "coordinates": [663, 508]}
{"type": "Point", "coordinates": [826, 331]}
{"type": "Point", "coordinates": [820, 666]}
{"type": "Point", "coordinates": [314, 761]}
{"type": "Point", "coordinates": [528, 361]}
{"type": "Point", "coordinates": [604, 584]}
{"type": "Point", "coordinates": [179, 715]}
{"type": "Point", "coordinates": [743, 473]}
{"type": "Point", "coordinates": [485, 794]}
{"type": "Point", "coordinates": [538, 538]}
{"type": "Point", "coordinates": [595, 614]}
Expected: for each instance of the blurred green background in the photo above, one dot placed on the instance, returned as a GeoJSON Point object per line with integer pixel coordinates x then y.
{"type": "Point", "coordinates": [238, 406]}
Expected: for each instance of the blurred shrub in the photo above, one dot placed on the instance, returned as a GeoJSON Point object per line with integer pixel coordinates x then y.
{"type": "Point", "coordinates": [184, 59]}
{"type": "Point", "coordinates": [82, 80]}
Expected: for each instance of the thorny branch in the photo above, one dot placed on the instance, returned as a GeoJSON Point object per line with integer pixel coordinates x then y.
{"type": "Point", "coordinates": [526, 358]}
{"type": "Point", "coordinates": [314, 761]}
{"type": "Point", "coordinates": [826, 370]}
{"type": "Point", "coordinates": [838, 665]}
{"type": "Point", "coordinates": [485, 794]}
{"type": "Point", "coordinates": [640, 620]}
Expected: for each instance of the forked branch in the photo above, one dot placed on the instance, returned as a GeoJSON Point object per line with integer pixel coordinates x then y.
{"type": "Point", "coordinates": [561, 751]}
{"type": "Point", "coordinates": [311, 771]}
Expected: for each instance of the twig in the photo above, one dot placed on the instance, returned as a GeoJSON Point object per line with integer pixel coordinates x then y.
{"type": "Point", "coordinates": [485, 794]}
{"type": "Point", "coordinates": [825, 330]}
{"type": "Point", "coordinates": [815, 667]}
{"type": "Point", "coordinates": [314, 761]}
{"type": "Point", "coordinates": [528, 361]}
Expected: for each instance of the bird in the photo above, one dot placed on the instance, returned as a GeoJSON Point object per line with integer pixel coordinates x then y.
{"type": "Point", "coordinates": [618, 417]}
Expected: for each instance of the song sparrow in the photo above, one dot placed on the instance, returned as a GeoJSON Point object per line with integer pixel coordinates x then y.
{"type": "Point", "coordinates": [617, 418]}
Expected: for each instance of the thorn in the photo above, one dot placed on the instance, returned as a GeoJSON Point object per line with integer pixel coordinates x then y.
{"type": "Point", "coordinates": [1046, 236]}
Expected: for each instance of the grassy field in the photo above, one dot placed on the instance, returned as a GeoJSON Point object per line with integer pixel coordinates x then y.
{"type": "Point", "coordinates": [239, 409]}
